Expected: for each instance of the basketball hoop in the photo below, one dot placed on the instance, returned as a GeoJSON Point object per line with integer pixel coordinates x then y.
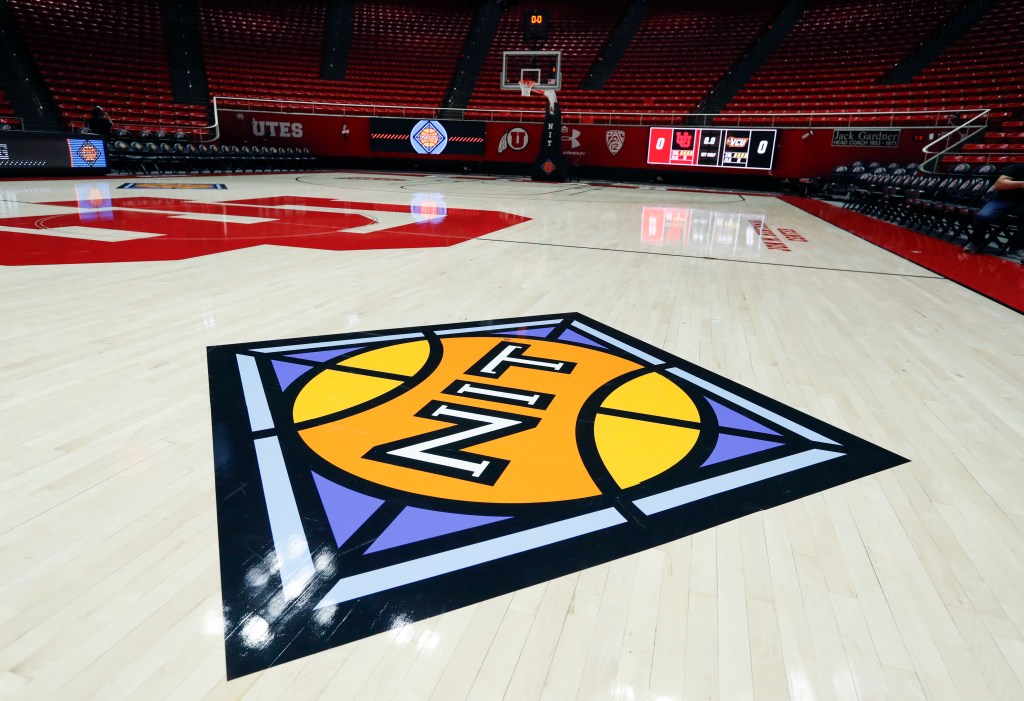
{"type": "Point", "coordinates": [526, 87]}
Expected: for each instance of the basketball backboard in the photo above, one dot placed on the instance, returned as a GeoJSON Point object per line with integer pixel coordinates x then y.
{"type": "Point", "coordinates": [542, 67]}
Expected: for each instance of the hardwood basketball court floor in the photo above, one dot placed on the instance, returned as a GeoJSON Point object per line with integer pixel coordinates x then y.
{"type": "Point", "coordinates": [884, 580]}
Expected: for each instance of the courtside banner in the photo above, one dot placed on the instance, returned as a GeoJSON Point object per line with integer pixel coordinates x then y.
{"type": "Point", "coordinates": [427, 137]}
{"type": "Point", "coordinates": [798, 152]}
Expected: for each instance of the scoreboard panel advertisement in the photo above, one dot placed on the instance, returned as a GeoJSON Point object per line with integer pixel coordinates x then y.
{"type": "Point", "coordinates": [717, 148]}
{"type": "Point", "coordinates": [427, 137]}
{"type": "Point", "coordinates": [38, 151]}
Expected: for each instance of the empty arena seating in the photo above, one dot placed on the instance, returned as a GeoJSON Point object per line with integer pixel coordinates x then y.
{"type": "Point", "coordinates": [834, 58]}
{"type": "Point", "coordinates": [7, 118]}
{"type": "Point", "coordinates": [402, 53]}
{"type": "Point", "coordinates": [981, 70]}
{"type": "Point", "coordinates": [680, 52]}
{"type": "Point", "coordinates": [579, 34]}
{"type": "Point", "coordinates": [106, 52]}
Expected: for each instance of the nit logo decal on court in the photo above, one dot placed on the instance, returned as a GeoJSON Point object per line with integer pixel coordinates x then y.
{"type": "Point", "coordinates": [366, 481]}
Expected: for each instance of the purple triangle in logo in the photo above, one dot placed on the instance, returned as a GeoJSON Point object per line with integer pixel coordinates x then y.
{"type": "Point", "coordinates": [287, 373]}
{"type": "Point", "coordinates": [572, 336]}
{"type": "Point", "coordinates": [415, 524]}
{"type": "Point", "coordinates": [324, 355]}
{"type": "Point", "coordinates": [536, 333]}
{"type": "Point", "coordinates": [346, 509]}
{"type": "Point", "coordinates": [729, 447]}
{"type": "Point", "coordinates": [727, 418]}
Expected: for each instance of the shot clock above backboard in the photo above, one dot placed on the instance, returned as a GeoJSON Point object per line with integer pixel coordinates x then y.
{"type": "Point", "coordinates": [535, 24]}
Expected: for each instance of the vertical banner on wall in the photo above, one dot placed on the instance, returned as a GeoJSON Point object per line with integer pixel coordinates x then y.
{"type": "Point", "coordinates": [550, 165]}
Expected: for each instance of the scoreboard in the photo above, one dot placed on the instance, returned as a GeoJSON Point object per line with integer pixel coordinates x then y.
{"type": "Point", "coordinates": [718, 148]}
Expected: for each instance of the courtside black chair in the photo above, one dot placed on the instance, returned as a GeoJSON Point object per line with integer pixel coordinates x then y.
{"type": "Point", "coordinates": [963, 203]}
{"type": "Point", "coordinates": [165, 160]}
{"type": "Point", "coordinates": [192, 160]}
{"type": "Point", "coordinates": [152, 157]}
{"type": "Point", "coordinates": [117, 156]}
{"type": "Point", "coordinates": [261, 158]}
{"type": "Point", "coordinates": [136, 158]}
{"type": "Point", "coordinates": [229, 156]}
{"type": "Point", "coordinates": [203, 159]}
{"type": "Point", "coordinates": [216, 156]}
{"type": "Point", "coordinates": [248, 159]}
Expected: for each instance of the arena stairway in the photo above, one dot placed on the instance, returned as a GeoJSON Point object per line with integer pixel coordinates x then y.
{"type": "Point", "coordinates": [21, 81]}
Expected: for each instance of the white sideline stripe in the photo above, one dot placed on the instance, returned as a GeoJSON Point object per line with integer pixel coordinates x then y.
{"type": "Point", "coordinates": [82, 232]}
{"type": "Point", "coordinates": [636, 352]}
{"type": "Point", "coordinates": [498, 327]}
{"type": "Point", "coordinates": [441, 563]}
{"type": "Point", "coordinates": [381, 220]}
{"type": "Point", "coordinates": [223, 218]}
{"type": "Point", "coordinates": [260, 418]}
{"type": "Point", "coordinates": [364, 341]}
{"type": "Point", "coordinates": [750, 406]}
{"type": "Point", "coordinates": [293, 556]}
{"type": "Point", "coordinates": [723, 483]}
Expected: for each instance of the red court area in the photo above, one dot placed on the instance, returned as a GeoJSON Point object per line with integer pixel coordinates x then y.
{"type": "Point", "coordinates": [996, 278]}
{"type": "Point", "coordinates": [154, 228]}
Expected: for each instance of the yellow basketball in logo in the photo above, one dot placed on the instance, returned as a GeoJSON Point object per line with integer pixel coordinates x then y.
{"type": "Point", "coordinates": [498, 442]}
{"type": "Point", "coordinates": [632, 430]}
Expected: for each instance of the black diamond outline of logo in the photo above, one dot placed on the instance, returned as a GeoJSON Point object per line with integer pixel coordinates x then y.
{"type": "Point", "coordinates": [95, 153]}
{"type": "Point", "coordinates": [441, 142]}
{"type": "Point", "coordinates": [305, 595]}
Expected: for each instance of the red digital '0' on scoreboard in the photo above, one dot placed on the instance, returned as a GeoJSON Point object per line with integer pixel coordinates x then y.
{"type": "Point", "coordinates": [717, 148]}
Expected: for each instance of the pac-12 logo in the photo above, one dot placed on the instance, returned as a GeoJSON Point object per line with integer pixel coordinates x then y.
{"type": "Point", "coordinates": [614, 139]}
{"type": "Point", "coordinates": [423, 469]}
{"type": "Point", "coordinates": [515, 138]}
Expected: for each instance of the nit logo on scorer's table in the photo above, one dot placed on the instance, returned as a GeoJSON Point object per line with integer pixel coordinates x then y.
{"type": "Point", "coordinates": [366, 481]}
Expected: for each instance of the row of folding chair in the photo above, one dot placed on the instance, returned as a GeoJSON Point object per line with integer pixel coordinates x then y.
{"type": "Point", "coordinates": [941, 205]}
{"type": "Point", "coordinates": [152, 157]}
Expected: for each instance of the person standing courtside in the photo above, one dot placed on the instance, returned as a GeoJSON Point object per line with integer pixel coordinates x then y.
{"type": "Point", "coordinates": [99, 123]}
{"type": "Point", "coordinates": [1007, 197]}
